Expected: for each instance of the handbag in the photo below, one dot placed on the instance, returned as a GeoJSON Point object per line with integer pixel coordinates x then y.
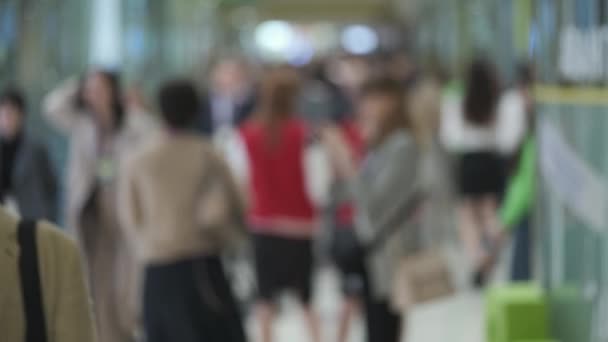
{"type": "Point", "coordinates": [421, 278]}
{"type": "Point", "coordinates": [345, 248]}
{"type": "Point", "coordinates": [35, 320]}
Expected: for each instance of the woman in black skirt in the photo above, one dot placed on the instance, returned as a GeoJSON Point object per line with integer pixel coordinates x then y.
{"type": "Point", "coordinates": [181, 210]}
{"type": "Point", "coordinates": [281, 213]}
{"type": "Point", "coordinates": [481, 174]}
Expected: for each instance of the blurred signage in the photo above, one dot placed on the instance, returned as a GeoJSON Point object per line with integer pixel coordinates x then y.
{"type": "Point", "coordinates": [583, 54]}
{"type": "Point", "coordinates": [571, 178]}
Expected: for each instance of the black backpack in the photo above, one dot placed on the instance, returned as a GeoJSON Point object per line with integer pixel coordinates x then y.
{"type": "Point", "coordinates": [35, 320]}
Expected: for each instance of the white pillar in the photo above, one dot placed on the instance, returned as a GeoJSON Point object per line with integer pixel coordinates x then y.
{"type": "Point", "coordinates": [106, 33]}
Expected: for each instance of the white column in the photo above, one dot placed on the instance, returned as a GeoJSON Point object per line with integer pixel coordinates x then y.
{"type": "Point", "coordinates": [106, 33]}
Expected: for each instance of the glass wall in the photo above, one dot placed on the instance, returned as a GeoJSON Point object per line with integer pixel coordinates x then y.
{"type": "Point", "coordinates": [42, 42]}
{"type": "Point", "coordinates": [454, 31]}
{"type": "Point", "coordinates": [168, 38]}
{"type": "Point", "coordinates": [574, 247]}
{"type": "Point", "coordinates": [545, 43]}
{"type": "Point", "coordinates": [571, 51]}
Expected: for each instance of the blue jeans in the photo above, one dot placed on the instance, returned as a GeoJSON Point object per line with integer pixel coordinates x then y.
{"type": "Point", "coordinates": [521, 267]}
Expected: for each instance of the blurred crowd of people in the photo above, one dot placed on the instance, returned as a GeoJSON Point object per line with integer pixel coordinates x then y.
{"type": "Point", "coordinates": [276, 161]}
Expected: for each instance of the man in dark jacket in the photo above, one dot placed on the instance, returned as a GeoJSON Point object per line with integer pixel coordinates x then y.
{"type": "Point", "coordinates": [26, 174]}
{"type": "Point", "coordinates": [230, 99]}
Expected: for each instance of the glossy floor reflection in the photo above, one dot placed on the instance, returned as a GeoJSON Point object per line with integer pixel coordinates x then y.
{"type": "Point", "coordinates": [457, 319]}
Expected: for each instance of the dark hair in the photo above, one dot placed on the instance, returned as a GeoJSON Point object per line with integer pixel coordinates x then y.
{"type": "Point", "coordinates": [525, 74]}
{"type": "Point", "coordinates": [482, 93]}
{"type": "Point", "coordinates": [113, 79]}
{"type": "Point", "coordinates": [179, 103]}
{"type": "Point", "coordinates": [14, 97]}
{"type": "Point", "coordinates": [388, 86]}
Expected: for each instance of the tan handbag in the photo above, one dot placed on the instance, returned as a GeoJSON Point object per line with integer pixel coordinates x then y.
{"type": "Point", "coordinates": [421, 278]}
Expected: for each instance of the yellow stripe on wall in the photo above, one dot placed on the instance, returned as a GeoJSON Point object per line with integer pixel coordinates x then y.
{"type": "Point", "coordinates": [586, 96]}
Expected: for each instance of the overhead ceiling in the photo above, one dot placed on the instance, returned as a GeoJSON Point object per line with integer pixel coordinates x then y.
{"type": "Point", "coordinates": [340, 10]}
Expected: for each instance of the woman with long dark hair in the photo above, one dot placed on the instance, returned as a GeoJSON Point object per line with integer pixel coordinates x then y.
{"type": "Point", "coordinates": [91, 113]}
{"type": "Point", "coordinates": [482, 170]}
{"type": "Point", "coordinates": [480, 131]}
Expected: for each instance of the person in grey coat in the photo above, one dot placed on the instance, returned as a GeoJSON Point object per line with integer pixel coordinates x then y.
{"type": "Point", "coordinates": [387, 181]}
{"type": "Point", "coordinates": [26, 174]}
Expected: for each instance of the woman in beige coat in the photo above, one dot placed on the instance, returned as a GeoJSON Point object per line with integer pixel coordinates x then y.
{"type": "Point", "coordinates": [182, 209]}
{"type": "Point", "coordinates": [65, 298]}
{"type": "Point", "coordinates": [91, 114]}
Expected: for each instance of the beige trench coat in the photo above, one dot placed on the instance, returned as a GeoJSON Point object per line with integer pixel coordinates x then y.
{"type": "Point", "coordinates": [65, 297]}
{"type": "Point", "coordinates": [113, 271]}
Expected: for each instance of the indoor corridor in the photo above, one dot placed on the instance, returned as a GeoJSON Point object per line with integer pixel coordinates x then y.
{"type": "Point", "coordinates": [241, 170]}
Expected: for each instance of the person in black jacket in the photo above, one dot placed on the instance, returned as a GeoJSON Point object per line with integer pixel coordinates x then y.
{"type": "Point", "coordinates": [27, 176]}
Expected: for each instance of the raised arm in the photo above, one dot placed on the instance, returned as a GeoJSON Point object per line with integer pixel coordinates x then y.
{"type": "Point", "coordinates": [59, 106]}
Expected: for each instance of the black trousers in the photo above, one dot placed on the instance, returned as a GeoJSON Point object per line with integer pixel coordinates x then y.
{"type": "Point", "coordinates": [382, 324]}
{"type": "Point", "coordinates": [521, 267]}
{"type": "Point", "coordinates": [283, 264]}
{"type": "Point", "coordinates": [190, 301]}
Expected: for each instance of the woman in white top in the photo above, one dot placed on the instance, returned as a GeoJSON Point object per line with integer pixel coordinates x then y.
{"type": "Point", "coordinates": [483, 129]}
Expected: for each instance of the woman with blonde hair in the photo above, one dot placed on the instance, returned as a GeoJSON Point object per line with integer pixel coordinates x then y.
{"type": "Point", "coordinates": [387, 182]}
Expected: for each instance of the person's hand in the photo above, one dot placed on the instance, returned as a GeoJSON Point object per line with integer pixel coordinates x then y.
{"type": "Point", "coordinates": [134, 100]}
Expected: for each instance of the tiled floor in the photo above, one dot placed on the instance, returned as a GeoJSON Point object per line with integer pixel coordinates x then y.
{"type": "Point", "coordinates": [457, 319]}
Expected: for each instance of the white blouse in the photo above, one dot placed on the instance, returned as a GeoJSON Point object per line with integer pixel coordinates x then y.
{"type": "Point", "coordinates": [502, 136]}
